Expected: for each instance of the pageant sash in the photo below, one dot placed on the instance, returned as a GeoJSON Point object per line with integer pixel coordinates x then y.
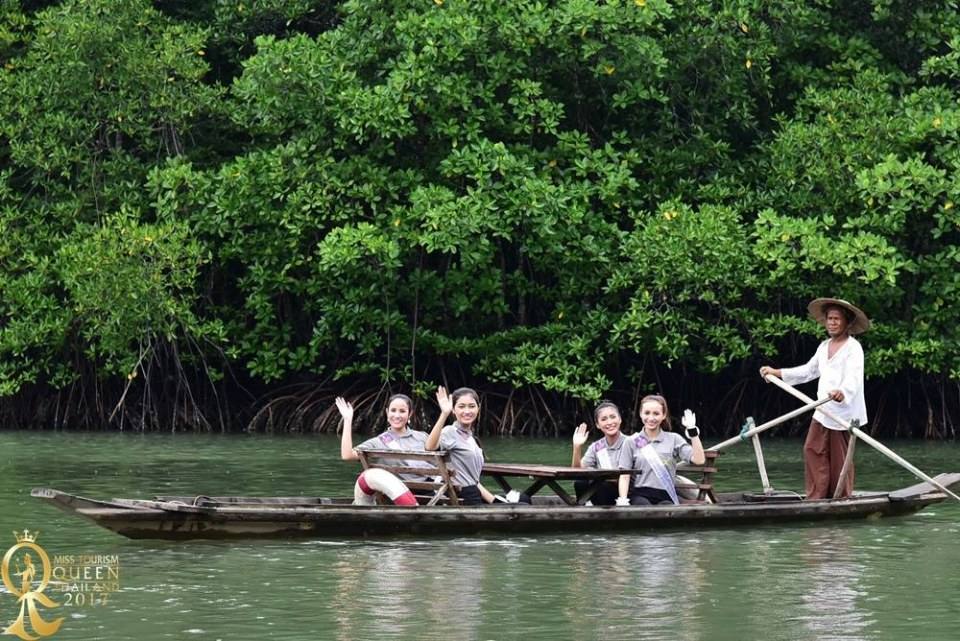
{"type": "Point", "coordinates": [659, 469]}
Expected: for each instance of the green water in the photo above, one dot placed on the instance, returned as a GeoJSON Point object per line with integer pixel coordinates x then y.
{"type": "Point", "coordinates": [888, 579]}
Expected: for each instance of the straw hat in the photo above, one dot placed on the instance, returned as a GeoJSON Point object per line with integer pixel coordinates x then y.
{"type": "Point", "coordinates": [817, 309]}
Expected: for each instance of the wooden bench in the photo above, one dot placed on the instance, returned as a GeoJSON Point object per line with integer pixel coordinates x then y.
{"type": "Point", "coordinates": [442, 489]}
{"type": "Point", "coordinates": [706, 471]}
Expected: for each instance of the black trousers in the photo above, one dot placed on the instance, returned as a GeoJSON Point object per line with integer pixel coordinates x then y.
{"type": "Point", "coordinates": [606, 494]}
{"type": "Point", "coordinates": [649, 496]}
{"type": "Point", "coordinates": [470, 495]}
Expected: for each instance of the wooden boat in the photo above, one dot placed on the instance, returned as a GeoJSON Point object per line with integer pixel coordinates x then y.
{"type": "Point", "coordinates": [202, 517]}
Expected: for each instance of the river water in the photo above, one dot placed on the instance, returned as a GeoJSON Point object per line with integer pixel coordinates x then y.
{"type": "Point", "coordinates": [887, 579]}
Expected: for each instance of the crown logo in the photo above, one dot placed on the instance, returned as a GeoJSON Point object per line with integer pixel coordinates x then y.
{"type": "Point", "coordinates": [26, 536]}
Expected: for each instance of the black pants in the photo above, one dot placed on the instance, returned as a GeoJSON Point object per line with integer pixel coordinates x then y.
{"type": "Point", "coordinates": [606, 494]}
{"type": "Point", "coordinates": [470, 495]}
{"type": "Point", "coordinates": [649, 496]}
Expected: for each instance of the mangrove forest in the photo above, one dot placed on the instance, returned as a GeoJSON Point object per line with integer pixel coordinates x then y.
{"type": "Point", "coordinates": [221, 214]}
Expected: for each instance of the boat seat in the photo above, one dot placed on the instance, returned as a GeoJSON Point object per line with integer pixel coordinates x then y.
{"type": "Point", "coordinates": [704, 486]}
{"type": "Point", "coordinates": [437, 466]}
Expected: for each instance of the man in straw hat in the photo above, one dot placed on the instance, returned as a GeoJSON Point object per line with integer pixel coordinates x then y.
{"type": "Point", "coordinates": [838, 363]}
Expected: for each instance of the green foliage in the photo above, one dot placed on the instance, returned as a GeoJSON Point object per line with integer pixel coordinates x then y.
{"type": "Point", "coordinates": [531, 193]}
{"type": "Point", "coordinates": [684, 294]}
{"type": "Point", "coordinates": [127, 284]}
{"type": "Point", "coordinates": [102, 81]}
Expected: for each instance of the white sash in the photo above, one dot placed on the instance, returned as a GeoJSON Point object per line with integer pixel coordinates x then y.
{"type": "Point", "coordinates": [603, 459]}
{"type": "Point", "coordinates": [390, 441]}
{"type": "Point", "coordinates": [660, 470]}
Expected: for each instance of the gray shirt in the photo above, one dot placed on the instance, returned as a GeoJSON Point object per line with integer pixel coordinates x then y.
{"type": "Point", "coordinates": [409, 441]}
{"type": "Point", "coordinates": [619, 456]}
{"type": "Point", "coordinates": [466, 457]}
{"type": "Point", "coordinates": [669, 446]}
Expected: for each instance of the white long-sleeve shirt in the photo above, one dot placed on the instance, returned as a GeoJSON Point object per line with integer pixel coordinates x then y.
{"type": "Point", "coordinates": [843, 372]}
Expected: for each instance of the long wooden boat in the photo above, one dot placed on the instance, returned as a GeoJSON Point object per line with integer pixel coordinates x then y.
{"type": "Point", "coordinates": [201, 517]}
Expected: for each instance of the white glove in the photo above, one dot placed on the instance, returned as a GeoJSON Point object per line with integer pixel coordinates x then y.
{"type": "Point", "coordinates": [623, 501]}
{"type": "Point", "coordinates": [689, 422]}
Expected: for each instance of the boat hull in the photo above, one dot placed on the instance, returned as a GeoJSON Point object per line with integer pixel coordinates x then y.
{"type": "Point", "coordinates": [296, 517]}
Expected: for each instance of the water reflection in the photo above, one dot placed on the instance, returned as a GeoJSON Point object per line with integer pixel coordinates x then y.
{"type": "Point", "coordinates": [797, 583]}
{"type": "Point", "coordinates": [604, 587]}
{"type": "Point", "coordinates": [832, 587]}
{"type": "Point", "coordinates": [653, 582]}
{"type": "Point", "coordinates": [396, 591]}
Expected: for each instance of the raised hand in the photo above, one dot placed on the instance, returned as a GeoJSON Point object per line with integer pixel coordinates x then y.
{"type": "Point", "coordinates": [580, 435]}
{"type": "Point", "coordinates": [346, 409]}
{"type": "Point", "coordinates": [444, 400]}
{"type": "Point", "coordinates": [689, 422]}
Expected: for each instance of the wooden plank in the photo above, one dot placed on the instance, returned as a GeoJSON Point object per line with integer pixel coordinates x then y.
{"type": "Point", "coordinates": [362, 457]}
{"type": "Point", "coordinates": [549, 471]}
{"type": "Point", "coordinates": [163, 505]}
{"type": "Point", "coordinates": [535, 486]}
{"type": "Point", "coordinates": [502, 482]}
{"type": "Point", "coordinates": [569, 500]}
{"type": "Point", "coordinates": [920, 489]}
{"type": "Point", "coordinates": [422, 485]}
{"type": "Point", "coordinates": [212, 501]}
{"type": "Point", "coordinates": [509, 469]}
{"type": "Point", "coordinates": [101, 512]}
{"type": "Point", "coordinates": [405, 469]}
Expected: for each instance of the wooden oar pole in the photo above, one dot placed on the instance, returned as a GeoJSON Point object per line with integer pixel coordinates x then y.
{"type": "Point", "coordinates": [758, 452]}
{"type": "Point", "coordinates": [863, 436]}
{"type": "Point", "coordinates": [764, 427]}
{"type": "Point", "coordinates": [847, 462]}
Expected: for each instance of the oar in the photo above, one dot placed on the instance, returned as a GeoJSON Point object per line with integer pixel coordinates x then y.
{"type": "Point", "coordinates": [847, 463]}
{"type": "Point", "coordinates": [863, 436]}
{"type": "Point", "coordinates": [762, 428]}
{"type": "Point", "coordinates": [758, 453]}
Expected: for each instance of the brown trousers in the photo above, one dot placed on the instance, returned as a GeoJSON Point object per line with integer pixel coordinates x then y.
{"type": "Point", "coordinates": [823, 454]}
